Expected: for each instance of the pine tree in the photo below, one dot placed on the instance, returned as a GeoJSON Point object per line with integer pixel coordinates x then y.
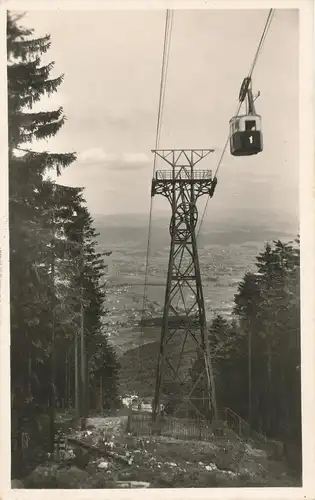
{"type": "Point", "coordinates": [102, 369]}
{"type": "Point", "coordinates": [267, 311]}
{"type": "Point", "coordinates": [221, 342]}
{"type": "Point", "coordinates": [30, 230]}
{"type": "Point", "coordinates": [268, 307]}
{"type": "Point", "coordinates": [28, 81]}
{"type": "Point", "coordinates": [49, 227]}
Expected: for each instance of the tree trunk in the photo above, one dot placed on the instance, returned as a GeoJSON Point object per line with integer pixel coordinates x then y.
{"type": "Point", "coordinates": [101, 393]}
{"type": "Point", "coordinates": [269, 389]}
{"type": "Point", "coordinates": [82, 356]}
{"type": "Point", "coordinates": [66, 398]}
{"type": "Point", "coordinates": [87, 382]}
{"type": "Point", "coordinates": [29, 372]}
{"type": "Point", "coordinates": [52, 357]}
{"type": "Point", "coordinates": [250, 379]}
{"type": "Point", "coordinates": [76, 376]}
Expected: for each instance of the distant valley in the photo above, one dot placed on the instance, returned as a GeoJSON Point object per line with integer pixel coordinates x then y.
{"type": "Point", "coordinates": [227, 249]}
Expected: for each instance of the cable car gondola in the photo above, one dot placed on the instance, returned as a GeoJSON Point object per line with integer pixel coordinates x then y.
{"type": "Point", "coordinates": [245, 130]}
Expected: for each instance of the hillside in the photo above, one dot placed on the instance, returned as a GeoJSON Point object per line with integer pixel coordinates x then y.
{"type": "Point", "coordinates": [138, 365]}
{"type": "Point", "coordinates": [107, 456]}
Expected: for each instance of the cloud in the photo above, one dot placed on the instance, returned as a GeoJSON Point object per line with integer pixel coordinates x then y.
{"type": "Point", "coordinates": [95, 155]}
{"type": "Point", "coordinates": [116, 118]}
{"type": "Point", "coordinates": [113, 161]}
{"type": "Point", "coordinates": [135, 158]}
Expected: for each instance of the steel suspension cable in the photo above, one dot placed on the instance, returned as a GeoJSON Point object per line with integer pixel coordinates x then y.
{"type": "Point", "coordinates": [262, 40]}
{"type": "Point", "coordinates": [165, 60]}
{"type": "Point", "coordinates": [165, 79]}
{"type": "Point", "coordinates": [164, 70]}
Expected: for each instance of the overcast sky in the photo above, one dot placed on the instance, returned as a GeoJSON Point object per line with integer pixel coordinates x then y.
{"type": "Point", "coordinates": [112, 63]}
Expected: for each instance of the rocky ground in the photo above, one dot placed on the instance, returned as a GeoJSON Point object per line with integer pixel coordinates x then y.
{"type": "Point", "coordinates": [106, 456]}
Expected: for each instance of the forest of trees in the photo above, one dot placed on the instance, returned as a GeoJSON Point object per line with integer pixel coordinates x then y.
{"type": "Point", "coordinates": [57, 275]}
{"type": "Point", "coordinates": [256, 355]}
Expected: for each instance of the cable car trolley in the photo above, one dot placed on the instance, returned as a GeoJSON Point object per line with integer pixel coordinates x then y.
{"type": "Point", "coordinates": [245, 130]}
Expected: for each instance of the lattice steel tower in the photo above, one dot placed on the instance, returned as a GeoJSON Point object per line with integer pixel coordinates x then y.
{"type": "Point", "coordinates": [183, 333]}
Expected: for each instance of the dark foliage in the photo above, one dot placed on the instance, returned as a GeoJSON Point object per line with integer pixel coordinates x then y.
{"type": "Point", "coordinates": [262, 346]}
{"type": "Point", "coordinates": [57, 276]}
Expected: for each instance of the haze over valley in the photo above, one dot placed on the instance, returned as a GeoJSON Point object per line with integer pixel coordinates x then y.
{"type": "Point", "coordinates": [227, 249]}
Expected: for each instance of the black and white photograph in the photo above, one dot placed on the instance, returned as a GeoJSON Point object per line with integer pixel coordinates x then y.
{"type": "Point", "coordinates": [156, 228]}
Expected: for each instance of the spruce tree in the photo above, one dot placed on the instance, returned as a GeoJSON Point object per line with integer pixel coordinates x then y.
{"type": "Point", "coordinates": [268, 307]}
{"type": "Point", "coordinates": [30, 233]}
{"type": "Point", "coordinates": [28, 81]}
{"type": "Point", "coordinates": [53, 252]}
{"type": "Point", "coordinates": [102, 365]}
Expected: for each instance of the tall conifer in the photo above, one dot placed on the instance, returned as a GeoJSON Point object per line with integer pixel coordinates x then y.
{"type": "Point", "coordinates": [30, 237]}
{"type": "Point", "coordinates": [50, 230]}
